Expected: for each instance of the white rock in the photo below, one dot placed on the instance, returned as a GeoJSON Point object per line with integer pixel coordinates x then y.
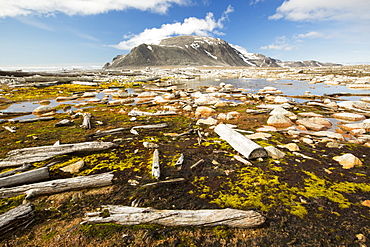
{"type": "Point", "coordinates": [274, 153]}
{"type": "Point", "coordinates": [73, 168]}
{"type": "Point", "coordinates": [207, 121]}
{"type": "Point", "coordinates": [204, 111]}
{"type": "Point", "coordinates": [279, 121]}
{"type": "Point", "coordinates": [232, 115]}
{"type": "Point", "coordinates": [348, 116]}
{"type": "Point", "coordinates": [348, 160]}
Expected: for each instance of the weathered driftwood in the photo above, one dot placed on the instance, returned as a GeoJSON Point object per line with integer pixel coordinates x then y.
{"type": "Point", "coordinates": [59, 185]}
{"type": "Point", "coordinates": [25, 167]}
{"type": "Point", "coordinates": [10, 129]}
{"type": "Point", "coordinates": [151, 126]}
{"type": "Point", "coordinates": [240, 143]}
{"type": "Point", "coordinates": [156, 171]}
{"type": "Point", "coordinates": [108, 132]}
{"type": "Point", "coordinates": [16, 218]}
{"type": "Point", "coordinates": [14, 114]}
{"type": "Point", "coordinates": [25, 177]}
{"type": "Point", "coordinates": [197, 163]}
{"type": "Point", "coordinates": [35, 154]}
{"type": "Point", "coordinates": [133, 216]}
{"type": "Point", "coordinates": [30, 120]}
{"type": "Point", "coordinates": [179, 162]}
{"type": "Point", "coordinates": [86, 122]}
{"type": "Point", "coordinates": [169, 181]}
{"type": "Point", "coordinates": [135, 113]}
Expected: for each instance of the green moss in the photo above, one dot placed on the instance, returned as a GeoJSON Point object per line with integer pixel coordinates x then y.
{"type": "Point", "coordinates": [102, 231]}
{"type": "Point", "coordinates": [222, 232]}
{"type": "Point", "coordinates": [10, 203]}
{"type": "Point", "coordinates": [50, 235]}
{"type": "Point", "coordinates": [254, 187]}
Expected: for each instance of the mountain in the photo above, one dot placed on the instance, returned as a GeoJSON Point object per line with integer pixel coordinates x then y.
{"type": "Point", "coordinates": [192, 50]}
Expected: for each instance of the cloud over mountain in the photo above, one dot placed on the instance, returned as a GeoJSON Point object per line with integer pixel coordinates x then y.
{"type": "Point", "coordinates": [204, 27]}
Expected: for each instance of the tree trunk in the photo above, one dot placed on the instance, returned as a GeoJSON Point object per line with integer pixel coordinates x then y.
{"type": "Point", "coordinates": [35, 154]}
{"type": "Point", "coordinates": [59, 185]}
{"type": "Point", "coordinates": [25, 177]}
{"type": "Point", "coordinates": [240, 143]}
{"type": "Point", "coordinates": [16, 218]}
{"type": "Point", "coordinates": [133, 216]}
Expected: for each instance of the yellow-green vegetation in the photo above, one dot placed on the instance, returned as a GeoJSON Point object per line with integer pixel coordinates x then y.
{"type": "Point", "coordinates": [254, 187]}
{"type": "Point", "coordinates": [116, 160]}
{"type": "Point", "coordinates": [39, 93]}
{"type": "Point", "coordinates": [9, 203]}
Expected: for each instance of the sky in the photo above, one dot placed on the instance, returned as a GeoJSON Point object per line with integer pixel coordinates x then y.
{"type": "Point", "coordinates": [89, 33]}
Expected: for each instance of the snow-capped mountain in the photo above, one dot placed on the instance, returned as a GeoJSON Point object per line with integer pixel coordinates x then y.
{"type": "Point", "coordinates": [192, 50]}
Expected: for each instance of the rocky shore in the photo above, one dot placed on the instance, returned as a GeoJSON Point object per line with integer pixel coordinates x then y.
{"type": "Point", "coordinates": [166, 152]}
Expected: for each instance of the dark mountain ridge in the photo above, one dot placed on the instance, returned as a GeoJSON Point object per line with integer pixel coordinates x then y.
{"type": "Point", "coordinates": [192, 50]}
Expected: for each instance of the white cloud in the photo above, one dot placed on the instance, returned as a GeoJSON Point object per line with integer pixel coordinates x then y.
{"type": "Point", "coordinates": [191, 25]}
{"type": "Point", "coordinates": [281, 43]}
{"type": "Point", "coordinates": [318, 10]}
{"type": "Point", "coordinates": [13, 8]}
{"type": "Point", "coordinates": [309, 35]}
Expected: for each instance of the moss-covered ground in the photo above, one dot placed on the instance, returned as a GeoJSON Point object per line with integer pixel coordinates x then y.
{"type": "Point", "coordinates": [307, 201]}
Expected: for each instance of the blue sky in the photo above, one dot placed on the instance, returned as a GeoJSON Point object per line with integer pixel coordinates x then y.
{"type": "Point", "coordinates": [92, 32]}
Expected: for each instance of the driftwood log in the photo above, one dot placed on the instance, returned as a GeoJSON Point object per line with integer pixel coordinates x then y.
{"type": "Point", "coordinates": [35, 154]}
{"type": "Point", "coordinates": [133, 216]}
{"type": "Point", "coordinates": [240, 143]}
{"type": "Point", "coordinates": [25, 167]}
{"type": "Point", "coordinates": [16, 218]}
{"type": "Point", "coordinates": [59, 185]}
{"type": "Point", "coordinates": [25, 177]}
{"type": "Point", "coordinates": [156, 171]}
{"type": "Point", "coordinates": [135, 113]}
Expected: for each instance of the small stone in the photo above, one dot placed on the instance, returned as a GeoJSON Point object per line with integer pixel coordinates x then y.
{"type": "Point", "coordinates": [292, 147]}
{"type": "Point", "coordinates": [187, 108]}
{"type": "Point", "coordinates": [347, 116]}
{"type": "Point", "coordinates": [221, 104]}
{"type": "Point", "coordinates": [307, 140]}
{"type": "Point", "coordinates": [274, 153]}
{"type": "Point", "coordinates": [150, 145]}
{"type": "Point", "coordinates": [133, 182]}
{"type": "Point", "coordinates": [261, 135]}
{"type": "Point", "coordinates": [4, 100]}
{"type": "Point", "coordinates": [204, 111]}
{"type": "Point", "coordinates": [266, 129]}
{"type": "Point", "coordinates": [44, 102]}
{"type": "Point", "coordinates": [279, 121]}
{"type": "Point", "coordinates": [43, 109]}
{"type": "Point", "coordinates": [147, 95]}
{"type": "Point", "coordinates": [73, 168]}
{"type": "Point", "coordinates": [366, 203]}
{"type": "Point", "coordinates": [64, 122]}
{"type": "Point", "coordinates": [232, 115]}
{"type": "Point", "coordinates": [222, 116]}
{"type": "Point", "coordinates": [280, 100]}
{"type": "Point", "coordinates": [334, 145]}
{"type": "Point", "coordinates": [348, 160]}
{"type": "Point", "coordinates": [207, 121]}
